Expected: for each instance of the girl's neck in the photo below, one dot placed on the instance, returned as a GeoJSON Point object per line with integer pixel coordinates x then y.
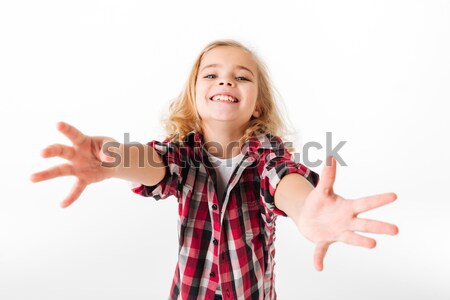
{"type": "Point", "coordinates": [223, 141]}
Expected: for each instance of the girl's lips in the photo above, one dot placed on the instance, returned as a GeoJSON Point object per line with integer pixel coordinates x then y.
{"type": "Point", "coordinates": [224, 94]}
{"type": "Point", "coordinates": [225, 102]}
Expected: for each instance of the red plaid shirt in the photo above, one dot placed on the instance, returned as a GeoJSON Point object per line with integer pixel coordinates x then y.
{"type": "Point", "coordinates": [232, 241]}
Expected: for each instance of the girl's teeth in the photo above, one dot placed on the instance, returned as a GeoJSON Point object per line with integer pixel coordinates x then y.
{"type": "Point", "coordinates": [224, 98]}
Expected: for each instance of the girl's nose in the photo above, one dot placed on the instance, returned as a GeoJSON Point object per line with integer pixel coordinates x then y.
{"type": "Point", "coordinates": [228, 83]}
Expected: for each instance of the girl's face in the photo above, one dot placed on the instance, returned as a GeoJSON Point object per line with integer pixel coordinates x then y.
{"type": "Point", "coordinates": [226, 88]}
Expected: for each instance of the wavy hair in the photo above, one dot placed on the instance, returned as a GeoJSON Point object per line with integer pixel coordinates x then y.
{"type": "Point", "coordinates": [183, 117]}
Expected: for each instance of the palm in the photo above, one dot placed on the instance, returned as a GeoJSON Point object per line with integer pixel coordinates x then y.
{"type": "Point", "coordinates": [327, 217]}
{"type": "Point", "coordinates": [85, 161]}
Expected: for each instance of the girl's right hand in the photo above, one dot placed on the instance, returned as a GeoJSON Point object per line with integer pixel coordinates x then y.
{"type": "Point", "coordinates": [86, 161]}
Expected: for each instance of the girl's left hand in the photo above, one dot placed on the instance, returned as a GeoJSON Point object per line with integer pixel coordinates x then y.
{"type": "Point", "coordinates": [327, 217]}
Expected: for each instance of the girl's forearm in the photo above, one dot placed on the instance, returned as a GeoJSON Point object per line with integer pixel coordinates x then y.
{"type": "Point", "coordinates": [138, 163]}
{"type": "Point", "coordinates": [291, 193]}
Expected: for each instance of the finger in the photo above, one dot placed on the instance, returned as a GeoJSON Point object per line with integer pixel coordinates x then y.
{"type": "Point", "coordinates": [367, 203]}
{"type": "Point", "coordinates": [372, 226]}
{"type": "Point", "coordinates": [319, 254]}
{"type": "Point", "coordinates": [355, 239]}
{"type": "Point", "coordinates": [58, 150]}
{"type": "Point", "coordinates": [57, 171]}
{"type": "Point", "coordinates": [75, 193]}
{"type": "Point", "coordinates": [328, 177]}
{"type": "Point", "coordinates": [72, 133]}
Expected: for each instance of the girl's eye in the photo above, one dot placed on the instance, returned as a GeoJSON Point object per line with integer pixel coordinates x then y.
{"type": "Point", "coordinates": [240, 78]}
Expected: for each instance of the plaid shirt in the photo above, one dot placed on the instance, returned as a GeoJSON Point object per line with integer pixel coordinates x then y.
{"type": "Point", "coordinates": [232, 241]}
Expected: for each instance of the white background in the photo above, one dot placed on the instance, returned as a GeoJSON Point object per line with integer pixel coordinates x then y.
{"type": "Point", "coordinates": [375, 73]}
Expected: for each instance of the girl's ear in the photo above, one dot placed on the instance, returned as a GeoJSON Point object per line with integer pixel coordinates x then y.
{"type": "Point", "coordinates": [256, 113]}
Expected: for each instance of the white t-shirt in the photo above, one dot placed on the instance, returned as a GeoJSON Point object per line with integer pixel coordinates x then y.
{"type": "Point", "coordinates": [224, 167]}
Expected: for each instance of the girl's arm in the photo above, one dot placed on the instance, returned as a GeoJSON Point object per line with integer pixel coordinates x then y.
{"type": "Point", "coordinates": [96, 158]}
{"type": "Point", "coordinates": [292, 184]}
{"type": "Point", "coordinates": [325, 217]}
{"type": "Point", "coordinates": [139, 164]}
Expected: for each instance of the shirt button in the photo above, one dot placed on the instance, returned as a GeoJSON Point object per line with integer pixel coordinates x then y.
{"type": "Point", "coordinates": [215, 242]}
{"type": "Point", "coordinates": [212, 274]}
{"type": "Point", "coordinates": [214, 207]}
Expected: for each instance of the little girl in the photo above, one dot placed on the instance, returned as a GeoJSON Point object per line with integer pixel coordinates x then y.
{"type": "Point", "coordinates": [226, 164]}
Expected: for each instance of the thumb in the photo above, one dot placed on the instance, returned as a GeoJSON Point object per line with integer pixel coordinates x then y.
{"type": "Point", "coordinates": [109, 152]}
{"type": "Point", "coordinates": [319, 254]}
{"type": "Point", "coordinates": [328, 177]}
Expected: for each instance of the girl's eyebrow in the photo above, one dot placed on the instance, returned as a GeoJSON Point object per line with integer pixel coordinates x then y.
{"type": "Point", "coordinates": [218, 65]}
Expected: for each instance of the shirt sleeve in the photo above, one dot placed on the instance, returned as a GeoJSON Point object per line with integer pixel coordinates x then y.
{"type": "Point", "coordinates": [169, 185]}
{"type": "Point", "coordinates": [274, 165]}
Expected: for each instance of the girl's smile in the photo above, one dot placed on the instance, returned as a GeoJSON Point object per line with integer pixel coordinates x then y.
{"type": "Point", "coordinates": [224, 97]}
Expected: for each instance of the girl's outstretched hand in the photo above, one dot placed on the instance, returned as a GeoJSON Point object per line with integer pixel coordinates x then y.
{"type": "Point", "coordinates": [327, 217]}
{"type": "Point", "coordinates": [85, 161]}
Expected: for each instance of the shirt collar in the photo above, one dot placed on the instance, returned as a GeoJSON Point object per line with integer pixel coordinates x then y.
{"type": "Point", "coordinates": [254, 145]}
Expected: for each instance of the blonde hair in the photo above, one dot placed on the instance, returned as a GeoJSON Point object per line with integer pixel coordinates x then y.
{"type": "Point", "coordinates": [183, 117]}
